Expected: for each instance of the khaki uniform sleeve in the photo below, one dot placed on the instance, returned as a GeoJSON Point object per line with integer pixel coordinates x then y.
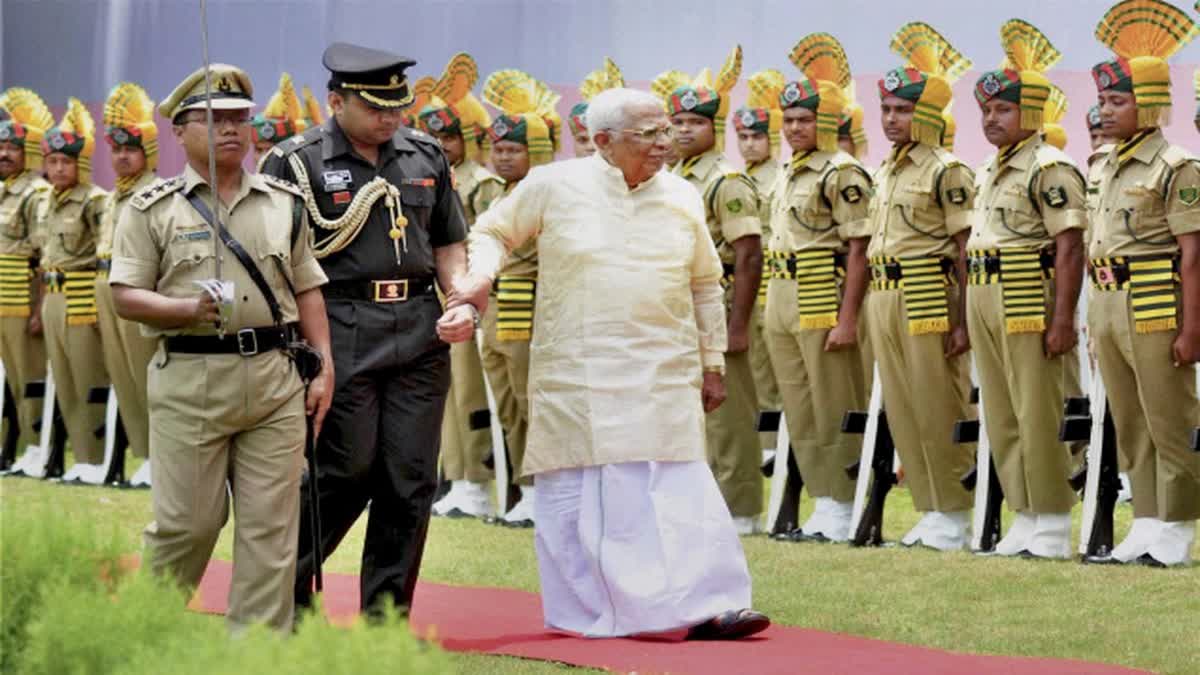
{"type": "Point", "coordinates": [958, 198]}
{"type": "Point", "coordinates": [136, 253]}
{"type": "Point", "coordinates": [30, 211]}
{"type": "Point", "coordinates": [485, 193]}
{"type": "Point", "coordinates": [1183, 200]}
{"type": "Point", "coordinates": [306, 271]}
{"type": "Point", "coordinates": [850, 195]}
{"type": "Point", "coordinates": [736, 207]}
{"type": "Point", "coordinates": [1062, 199]}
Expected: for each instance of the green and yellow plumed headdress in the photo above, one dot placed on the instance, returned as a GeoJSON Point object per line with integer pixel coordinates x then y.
{"type": "Point", "coordinates": [1056, 110]}
{"type": "Point", "coordinates": [129, 121]}
{"type": "Point", "coordinates": [528, 113]}
{"type": "Point", "coordinates": [283, 116]}
{"type": "Point", "coordinates": [823, 61]}
{"type": "Point", "coordinates": [702, 95]}
{"type": "Point", "coordinates": [949, 130]}
{"type": "Point", "coordinates": [762, 112]}
{"type": "Point", "coordinates": [932, 66]}
{"type": "Point", "coordinates": [312, 109]}
{"type": "Point", "coordinates": [851, 124]}
{"type": "Point", "coordinates": [75, 136]}
{"type": "Point", "coordinates": [1143, 34]}
{"type": "Point", "coordinates": [28, 120]}
{"type": "Point", "coordinates": [1021, 78]}
{"type": "Point", "coordinates": [452, 108]}
{"type": "Point", "coordinates": [608, 77]}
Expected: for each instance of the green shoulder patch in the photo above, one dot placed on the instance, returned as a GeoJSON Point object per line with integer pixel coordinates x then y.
{"type": "Point", "coordinates": [1055, 196]}
{"type": "Point", "coordinates": [1189, 195]}
{"type": "Point", "coordinates": [734, 205]}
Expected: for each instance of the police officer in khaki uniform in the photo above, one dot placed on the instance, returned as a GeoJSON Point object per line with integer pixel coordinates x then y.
{"type": "Point", "coordinates": [70, 222]}
{"type": "Point", "coordinates": [608, 77]}
{"type": "Point", "coordinates": [523, 136]}
{"type": "Point", "coordinates": [1026, 267]}
{"type": "Point", "coordinates": [1144, 308]}
{"type": "Point", "coordinates": [758, 127]}
{"type": "Point", "coordinates": [456, 118]}
{"type": "Point", "coordinates": [919, 222]}
{"type": "Point", "coordinates": [731, 204]}
{"type": "Point", "coordinates": [227, 405]}
{"type": "Point", "coordinates": [132, 136]}
{"type": "Point", "coordinates": [21, 186]}
{"type": "Point", "coordinates": [818, 247]}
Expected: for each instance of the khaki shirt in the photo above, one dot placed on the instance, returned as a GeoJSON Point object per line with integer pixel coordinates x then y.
{"type": "Point", "coordinates": [1025, 197]}
{"type": "Point", "coordinates": [477, 188]}
{"type": "Point", "coordinates": [1143, 204]}
{"type": "Point", "coordinates": [19, 199]}
{"type": "Point", "coordinates": [730, 207]}
{"type": "Point", "coordinates": [821, 204]}
{"type": "Point", "coordinates": [113, 206]}
{"type": "Point", "coordinates": [764, 175]}
{"type": "Point", "coordinates": [913, 213]}
{"type": "Point", "coordinates": [163, 244]}
{"type": "Point", "coordinates": [70, 223]}
{"type": "Point", "coordinates": [521, 261]}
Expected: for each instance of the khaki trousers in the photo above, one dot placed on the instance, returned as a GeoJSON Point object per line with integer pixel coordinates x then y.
{"type": "Point", "coordinates": [78, 364]}
{"type": "Point", "coordinates": [127, 353]}
{"type": "Point", "coordinates": [507, 367]}
{"type": "Point", "coordinates": [464, 449]}
{"type": "Point", "coordinates": [1154, 408]}
{"type": "Point", "coordinates": [24, 358]}
{"type": "Point", "coordinates": [924, 394]}
{"type": "Point", "coordinates": [1022, 394]}
{"type": "Point", "coordinates": [733, 447]}
{"type": "Point", "coordinates": [220, 425]}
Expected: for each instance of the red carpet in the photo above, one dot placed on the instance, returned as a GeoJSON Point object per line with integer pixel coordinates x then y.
{"type": "Point", "coordinates": [501, 621]}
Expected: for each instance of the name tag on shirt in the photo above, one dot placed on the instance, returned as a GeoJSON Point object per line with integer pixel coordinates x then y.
{"type": "Point", "coordinates": [194, 235]}
{"type": "Point", "coordinates": [337, 181]}
{"type": "Point", "coordinates": [419, 182]}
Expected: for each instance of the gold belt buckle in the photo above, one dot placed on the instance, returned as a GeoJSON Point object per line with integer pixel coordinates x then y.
{"type": "Point", "coordinates": [392, 290]}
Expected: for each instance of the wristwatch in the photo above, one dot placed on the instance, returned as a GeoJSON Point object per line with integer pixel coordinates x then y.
{"type": "Point", "coordinates": [474, 314]}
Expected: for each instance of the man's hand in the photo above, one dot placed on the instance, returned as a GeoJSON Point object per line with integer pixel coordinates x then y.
{"type": "Point", "coordinates": [1060, 338]}
{"type": "Point", "coordinates": [471, 289]}
{"type": "Point", "coordinates": [956, 342]}
{"type": "Point", "coordinates": [35, 323]}
{"type": "Point", "coordinates": [1186, 348]}
{"type": "Point", "coordinates": [842, 336]}
{"type": "Point", "coordinates": [204, 310]}
{"type": "Point", "coordinates": [320, 396]}
{"type": "Point", "coordinates": [712, 392]}
{"type": "Point", "coordinates": [738, 340]}
{"type": "Point", "coordinates": [457, 324]}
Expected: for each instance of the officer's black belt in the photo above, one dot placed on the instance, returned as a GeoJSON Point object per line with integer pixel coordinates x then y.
{"type": "Point", "coordinates": [103, 265]}
{"type": "Point", "coordinates": [989, 263]}
{"type": "Point", "coordinates": [382, 290]}
{"type": "Point", "coordinates": [246, 342]}
{"type": "Point", "coordinates": [791, 263]}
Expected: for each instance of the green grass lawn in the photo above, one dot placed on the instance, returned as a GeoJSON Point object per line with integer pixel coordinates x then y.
{"type": "Point", "coordinates": [1127, 615]}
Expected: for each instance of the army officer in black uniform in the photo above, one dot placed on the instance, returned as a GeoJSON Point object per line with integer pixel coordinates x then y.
{"type": "Point", "coordinates": [387, 226]}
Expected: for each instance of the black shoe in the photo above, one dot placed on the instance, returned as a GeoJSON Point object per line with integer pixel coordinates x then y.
{"type": "Point", "coordinates": [730, 625]}
{"type": "Point", "coordinates": [1100, 559]}
{"type": "Point", "coordinates": [1148, 560]}
{"type": "Point", "coordinates": [523, 524]}
{"type": "Point", "coordinates": [456, 513]}
{"type": "Point", "coordinates": [817, 538]}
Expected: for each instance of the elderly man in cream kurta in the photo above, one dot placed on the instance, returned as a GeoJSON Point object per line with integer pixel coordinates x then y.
{"type": "Point", "coordinates": [632, 534]}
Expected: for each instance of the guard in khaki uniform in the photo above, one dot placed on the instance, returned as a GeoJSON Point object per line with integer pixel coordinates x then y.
{"type": "Point", "coordinates": [758, 128]}
{"type": "Point", "coordinates": [608, 77]}
{"type": "Point", "coordinates": [852, 139]}
{"type": "Point", "coordinates": [282, 118]}
{"type": "Point", "coordinates": [524, 135]}
{"type": "Point", "coordinates": [818, 248]}
{"type": "Point", "coordinates": [132, 136]}
{"type": "Point", "coordinates": [919, 225]}
{"type": "Point", "coordinates": [731, 204]}
{"type": "Point", "coordinates": [1026, 266]}
{"type": "Point", "coordinates": [70, 222]}
{"type": "Point", "coordinates": [21, 188]}
{"type": "Point", "coordinates": [1145, 266]}
{"type": "Point", "coordinates": [227, 405]}
{"type": "Point", "coordinates": [459, 121]}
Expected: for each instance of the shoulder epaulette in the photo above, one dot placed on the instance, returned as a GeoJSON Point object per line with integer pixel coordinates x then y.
{"type": "Point", "coordinates": [147, 197]}
{"type": "Point", "coordinates": [1047, 156]}
{"type": "Point", "coordinates": [308, 137]}
{"type": "Point", "coordinates": [419, 136]}
{"type": "Point", "coordinates": [1176, 156]}
{"type": "Point", "coordinates": [285, 185]}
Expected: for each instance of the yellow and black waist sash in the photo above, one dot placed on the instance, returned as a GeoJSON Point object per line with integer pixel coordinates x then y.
{"type": "Point", "coordinates": [923, 280]}
{"type": "Point", "coordinates": [514, 308]}
{"type": "Point", "coordinates": [818, 274]}
{"type": "Point", "coordinates": [1151, 281]}
{"type": "Point", "coordinates": [1022, 273]}
{"type": "Point", "coordinates": [79, 286]}
{"type": "Point", "coordinates": [16, 273]}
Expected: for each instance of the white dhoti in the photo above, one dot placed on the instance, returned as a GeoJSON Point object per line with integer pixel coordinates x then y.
{"type": "Point", "coordinates": [636, 547]}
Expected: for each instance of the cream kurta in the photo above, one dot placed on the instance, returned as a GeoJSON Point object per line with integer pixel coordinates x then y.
{"type": "Point", "coordinates": [629, 307]}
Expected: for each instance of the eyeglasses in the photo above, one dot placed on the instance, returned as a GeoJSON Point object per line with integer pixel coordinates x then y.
{"type": "Point", "coordinates": [652, 134]}
{"type": "Point", "coordinates": [235, 121]}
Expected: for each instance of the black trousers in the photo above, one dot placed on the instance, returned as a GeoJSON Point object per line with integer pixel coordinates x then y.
{"type": "Point", "coordinates": [379, 444]}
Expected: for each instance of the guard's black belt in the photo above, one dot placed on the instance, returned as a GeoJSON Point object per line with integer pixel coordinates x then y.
{"type": "Point", "coordinates": [246, 342]}
{"type": "Point", "coordinates": [383, 290]}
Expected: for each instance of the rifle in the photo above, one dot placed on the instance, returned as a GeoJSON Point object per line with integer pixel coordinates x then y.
{"type": "Point", "coordinates": [983, 481]}
{"type": "Point", "coordinates": [783, 506]}
{"type": "Point", "coordinates": [1089, 419]}
{"type": "Point", "coordinates": [878, 456]}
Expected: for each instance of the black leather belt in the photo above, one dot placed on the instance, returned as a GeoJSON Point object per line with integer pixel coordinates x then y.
{"type": "Point", "coordinates": [246, 342]}
{"type": "Point", "coordinates": [991, 263]}
{"type": "Point", "coordinates": [791, 264]}
{"type": "Point", "coordinates": [103, 265]}
{"type": "Point", "coordinates": [384, 290]}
